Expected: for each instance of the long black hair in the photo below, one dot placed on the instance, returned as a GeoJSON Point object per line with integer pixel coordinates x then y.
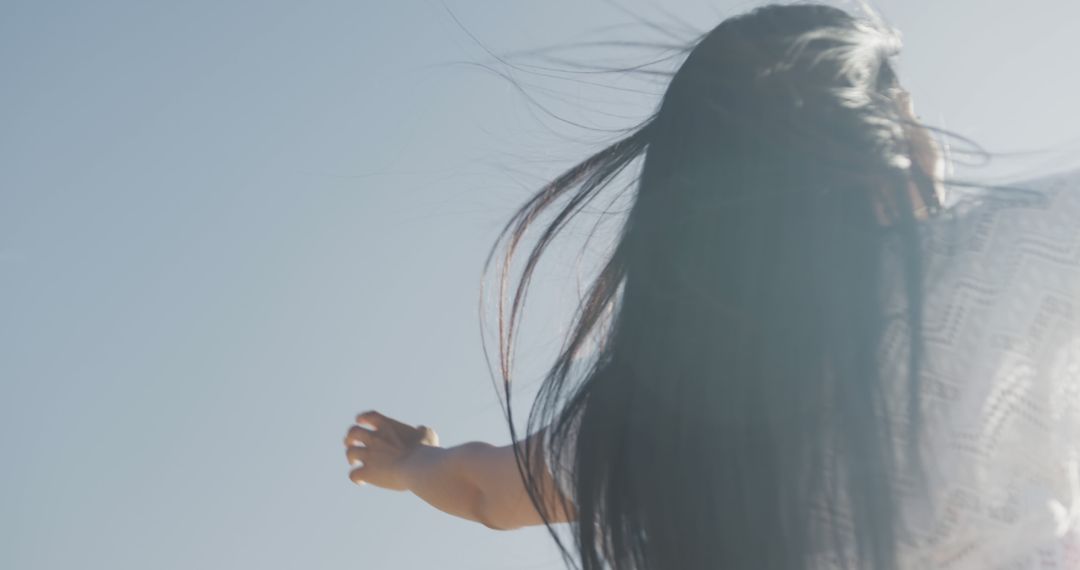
{"type": "Point", "coordinates": [734, 412]}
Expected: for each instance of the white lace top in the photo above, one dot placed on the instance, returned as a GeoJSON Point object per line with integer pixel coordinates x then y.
{"type": "Point", "coordinates": [1001, 385]}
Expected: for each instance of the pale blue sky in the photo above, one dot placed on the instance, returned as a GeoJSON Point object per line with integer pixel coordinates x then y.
{"type": "Point", "coordinates": [227, 227]}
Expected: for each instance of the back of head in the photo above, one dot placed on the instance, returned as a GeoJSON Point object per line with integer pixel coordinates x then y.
{"type": "Point", "coordinates": [735, 415]}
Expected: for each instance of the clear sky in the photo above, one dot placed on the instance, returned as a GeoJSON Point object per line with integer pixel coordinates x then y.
{"type": "Point", "coordinates": [228, 227]}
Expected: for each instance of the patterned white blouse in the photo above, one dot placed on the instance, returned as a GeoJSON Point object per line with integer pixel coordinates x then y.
{"type": "Point", "coordinates": [1001, 384]}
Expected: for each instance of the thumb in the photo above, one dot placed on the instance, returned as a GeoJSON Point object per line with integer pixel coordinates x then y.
{"type": "Point", "coordinates": [428, 435]}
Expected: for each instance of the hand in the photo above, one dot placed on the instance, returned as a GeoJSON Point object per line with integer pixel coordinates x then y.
{"type": "Point", "coordinates": [383, 450]}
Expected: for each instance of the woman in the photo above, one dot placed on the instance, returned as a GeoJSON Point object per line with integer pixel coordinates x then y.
{"type": "Point", "coordinates": [765, 393]}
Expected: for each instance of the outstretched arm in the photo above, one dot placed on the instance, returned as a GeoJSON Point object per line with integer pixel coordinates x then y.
{"type": "Point", "coordinates": [476, 481]}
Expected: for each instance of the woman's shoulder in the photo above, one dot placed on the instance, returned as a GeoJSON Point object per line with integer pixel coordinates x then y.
{"type": "Point", "coordinates": [980, 226]}
{"type": "Point", "coordinates": [1026, 197]}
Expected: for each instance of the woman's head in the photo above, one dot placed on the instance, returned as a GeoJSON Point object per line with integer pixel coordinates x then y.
{"type": "Point", "coordinates": [803, 89]}
{"type": "Point", "coordinates": [734, 414]}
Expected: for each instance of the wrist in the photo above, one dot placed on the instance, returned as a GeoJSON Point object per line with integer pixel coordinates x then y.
{"type": "Point", "coordinates": [418, 463]}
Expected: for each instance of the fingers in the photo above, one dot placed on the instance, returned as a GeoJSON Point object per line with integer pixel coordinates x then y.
{"type": "Point", "coordinates": [372, 418]}
{"type": "Point", "coordinates": [359, 436]}
{"type": "Point", "coordinates": [379, 421]}
{"type": "Point", "coordinates": [358, 441]}
{"type": "Point", "coordinates": [356, 455]}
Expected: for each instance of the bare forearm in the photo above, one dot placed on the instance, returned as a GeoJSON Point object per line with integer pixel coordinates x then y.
{"type": "Point", "coordinates": [475, 481]}
{"type": "Point", "coordinates": [443, 478]}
